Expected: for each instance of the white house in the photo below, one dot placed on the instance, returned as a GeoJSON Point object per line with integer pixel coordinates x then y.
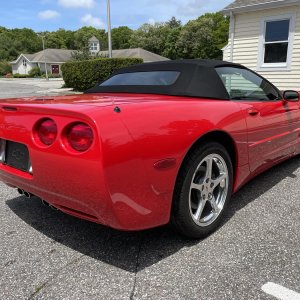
{"type": "Point", "coordinates": [265, 36]}
{"type": "Point", "coordinates": [54, 58]}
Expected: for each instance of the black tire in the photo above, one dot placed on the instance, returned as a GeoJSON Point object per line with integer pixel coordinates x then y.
{"type": "Point", "coordinates": [181, 218]}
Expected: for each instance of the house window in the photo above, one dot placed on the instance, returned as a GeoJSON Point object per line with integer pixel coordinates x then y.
{"type": "Point", "coordinates": [93, 46]}
{"type": "Point", "coordinates": [276, 42]}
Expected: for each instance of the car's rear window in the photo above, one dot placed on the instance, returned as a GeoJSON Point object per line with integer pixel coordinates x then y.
{"type": "Point", "coordinates": [158, 78]}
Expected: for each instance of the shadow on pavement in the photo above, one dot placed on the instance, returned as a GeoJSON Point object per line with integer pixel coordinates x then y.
{"type": "Point", "coordinates": [124, 249]}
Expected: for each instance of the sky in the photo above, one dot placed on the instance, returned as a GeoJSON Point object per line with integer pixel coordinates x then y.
{"type": "Point", "coordinates": [42, 15]}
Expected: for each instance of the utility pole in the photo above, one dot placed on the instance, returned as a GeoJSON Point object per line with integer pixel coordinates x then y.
{"type": "Point", "coordinates": [47, 78]}
{"type": "Point", "coordinates": [109, 30]}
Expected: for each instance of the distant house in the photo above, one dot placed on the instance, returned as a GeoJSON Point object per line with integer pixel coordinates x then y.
{"type": "Point", "coordinates": [54, 58]}
{"type": "Point", "coordinates": [265, 36]}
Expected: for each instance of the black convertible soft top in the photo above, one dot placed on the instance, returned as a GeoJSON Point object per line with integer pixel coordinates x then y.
{"type": "Point", "coordinates": [198, 78]}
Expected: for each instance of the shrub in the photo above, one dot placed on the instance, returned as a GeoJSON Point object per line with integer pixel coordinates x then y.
{"type": "Point", "coordinates": [82, 75]}
{"type": "Point", "coordinates": [35, 72]}
{"type": "Point", "coordinates": [21, 75]}
{"type": "Point", "coordinates": [5, 68]}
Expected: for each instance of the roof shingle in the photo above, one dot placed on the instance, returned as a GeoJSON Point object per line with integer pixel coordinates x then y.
{"type": "Point", "coordinates": [62, 55]}
{"type": "Point", "coordinates": [93, 39]}
{"type": "Point", "coordinates": [147, 56]}
{"type": "Point", "coordinates": [250, 3]}
{"type": "Point", "coordinates": [50, 55]}
{"type": "Point", "coordinates": [53, 55]}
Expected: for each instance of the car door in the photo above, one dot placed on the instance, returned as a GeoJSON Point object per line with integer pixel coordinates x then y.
{"type": "Point", "coordinates": [293, 111]}
{"type": "Point", "coordinates": [270, 138]}
{"type": "Point", "coordinates": [271, 122]}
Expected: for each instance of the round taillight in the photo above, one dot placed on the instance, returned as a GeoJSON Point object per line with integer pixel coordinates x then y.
{"type": "Point", "coordinates": [80, 137]}
{"type": "Point", "coordinates": [47, 132]}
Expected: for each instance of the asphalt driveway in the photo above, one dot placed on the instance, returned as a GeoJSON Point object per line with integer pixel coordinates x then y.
{"type": "Point", "coordinates": [12, 88]}
{"type": "Point", "coordinates": [45, 254]}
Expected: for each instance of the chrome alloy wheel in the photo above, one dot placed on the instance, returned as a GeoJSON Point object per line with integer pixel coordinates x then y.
{"type": "Point", "coordinates": [208, 190]}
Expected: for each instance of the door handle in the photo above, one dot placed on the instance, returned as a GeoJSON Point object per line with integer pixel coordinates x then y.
{"type": "Point", "coordinates": [253, 112]}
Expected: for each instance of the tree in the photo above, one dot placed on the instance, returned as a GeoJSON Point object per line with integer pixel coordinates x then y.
{"type": "Point", "coordinates": [160, 38]}
{"type": "Point", "coordinates": [25, 40]}
{"type": "Point", "coordinates": [174, 23]}
{"type": "Point", "coordinates": [82, 36]}
{"type": "Point", "coordinates": [149, 37]}
{"type": "Point", "coordinates": [204, 37]}
{"type": "Point", "coordinates": [5, 68]}
{"type": "Point", "coordinates": [60, 39]}
{"type": "Point", "coordinates": [200, 38]}
{"type": "Point", "coordinates": [171, 49]}
{"type": "Point", "coordinates": [15, 41]}
{"type": "Point", "coordinates": [121, 37]}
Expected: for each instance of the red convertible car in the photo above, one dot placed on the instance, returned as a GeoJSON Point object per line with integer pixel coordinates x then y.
{"type": "Point", "coordinates": [155, 143]}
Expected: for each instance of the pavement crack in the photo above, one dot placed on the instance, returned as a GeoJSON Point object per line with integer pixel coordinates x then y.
{"type": "Point", "coordinates": [9, 263]}
{"type": "Point", "coordinates": [40, 287]}
{"type": "Point", "coordinates": [71, 262]}
{"type": "Point", "coordinates": [37, 290]}
{"type": "Point", "coordinates": [137, 264]}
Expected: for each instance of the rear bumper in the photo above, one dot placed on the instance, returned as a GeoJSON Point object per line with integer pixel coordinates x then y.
{"type": "Point", "coordinates": [65, 188]}
{"type": "Point", "coordinates": [81, 190]}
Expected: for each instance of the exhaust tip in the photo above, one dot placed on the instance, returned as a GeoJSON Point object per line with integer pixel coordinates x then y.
{"type": "Point", "coordinates": [53, 207]}
{"type": "Point", "coordinates": [49, 205]}
{"type": "Point", "coordinates": [20, 191]}
{"type": "Point", "coordinates": [27, 195]}
{"type": "Point", "coordinates": [45, 203]}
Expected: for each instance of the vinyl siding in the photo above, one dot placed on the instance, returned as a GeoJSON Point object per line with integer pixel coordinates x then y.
{"type": "Point", "coordinates": [19, 68]}
{"type": "Point", "coordinates": [247, 42]}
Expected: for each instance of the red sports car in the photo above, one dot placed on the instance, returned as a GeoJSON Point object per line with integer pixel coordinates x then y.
{"type": "Point", "coordinates": [155, 143]}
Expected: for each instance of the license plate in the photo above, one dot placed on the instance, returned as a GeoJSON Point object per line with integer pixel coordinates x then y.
{"type": "Point", "coordinates": [17, 156]}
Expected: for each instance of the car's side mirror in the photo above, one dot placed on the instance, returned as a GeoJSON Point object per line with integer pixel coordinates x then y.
{"type": "Point", "coordinates": [291, 96]}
